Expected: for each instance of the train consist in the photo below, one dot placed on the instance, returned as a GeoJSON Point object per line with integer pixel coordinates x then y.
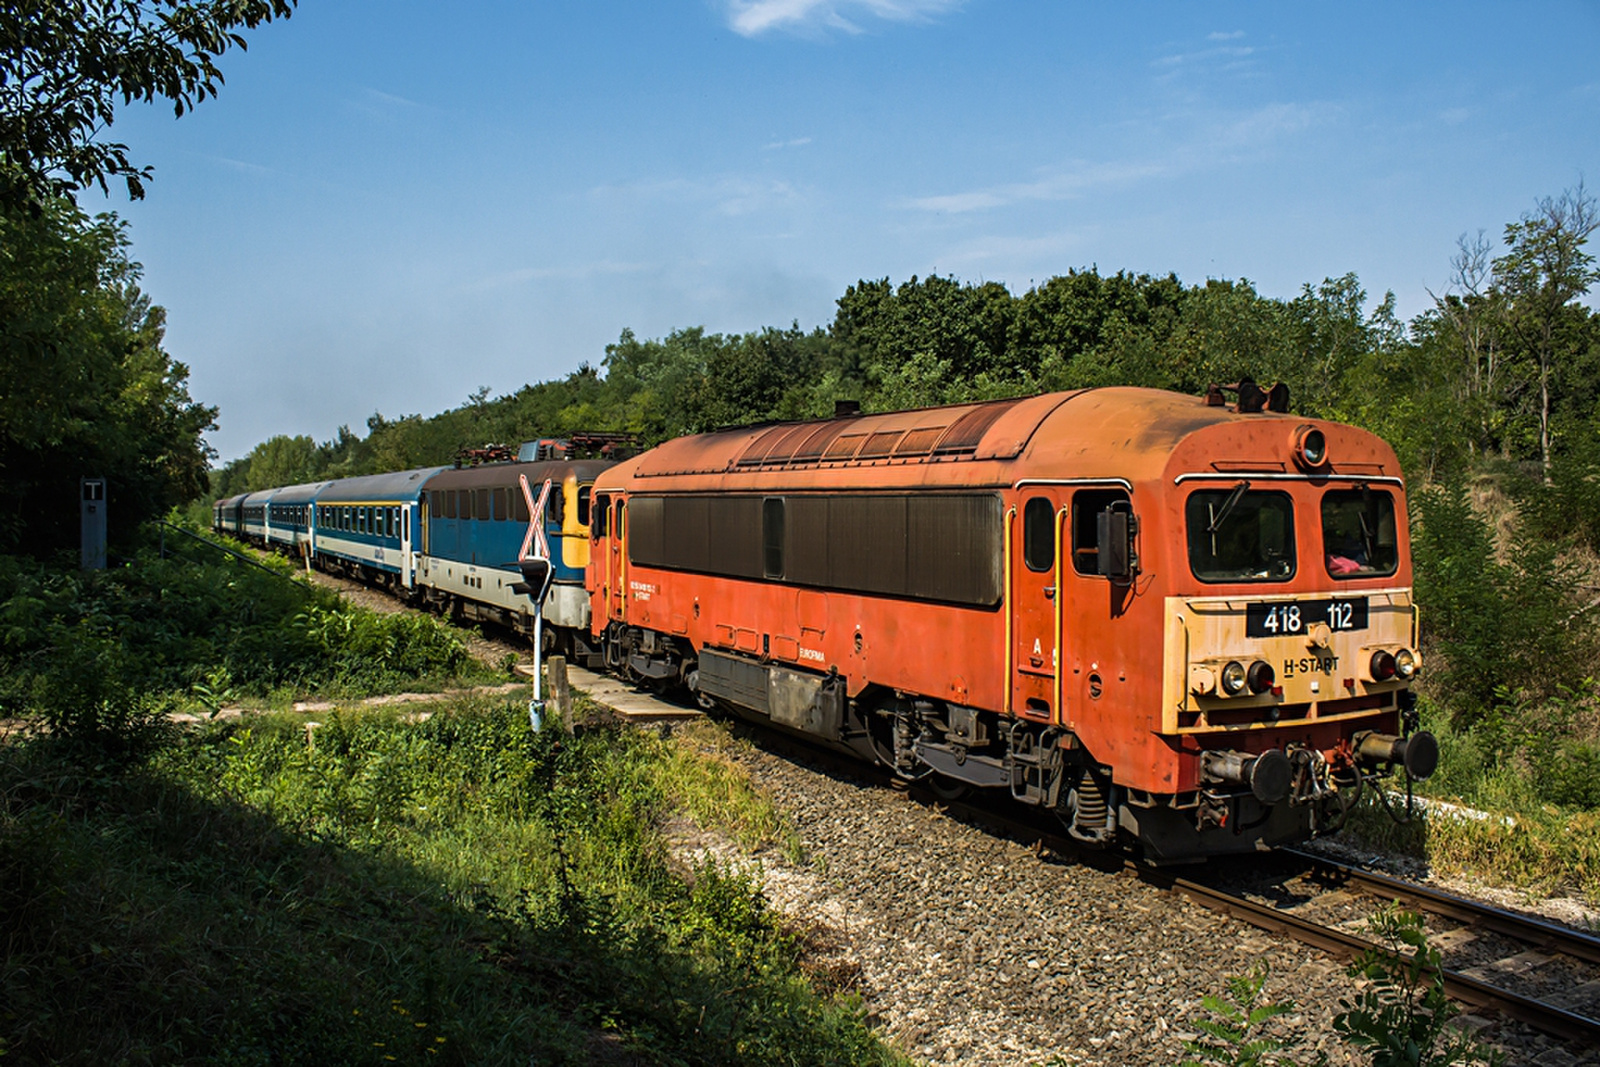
{"type": "Point", "coordinates": [446, 537]}
{"type": "Point", "coordinates": [1176, 621]}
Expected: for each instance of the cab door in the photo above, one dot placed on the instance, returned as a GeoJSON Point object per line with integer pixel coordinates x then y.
{"type": "Point", "coordinates": [619, 560]}
{"type": "Point", "coordinates": [599, 572]}
{"type": "Point", "coordinates": [1034, 538]}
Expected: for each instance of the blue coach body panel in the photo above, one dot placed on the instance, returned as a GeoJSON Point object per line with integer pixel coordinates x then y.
{"type": "Point", "coordinates": [253, 514]}
{"type": "Point", "coordinates": [225, 516]}
{"type": "Point", "coordinates": [373, 521]}
{"type": "Point", "coordinates": [290, 515]}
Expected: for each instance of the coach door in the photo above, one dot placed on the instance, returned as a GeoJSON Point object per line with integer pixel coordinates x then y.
{"type": "Point", "coordinates": [408, 562]}
{"type": "Point", "coordinates": [1034, 534]}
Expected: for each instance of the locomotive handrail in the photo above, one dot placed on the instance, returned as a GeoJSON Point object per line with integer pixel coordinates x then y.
{"type": "Point", "coordinates": [240, 556]}
{"type": "Point", "coordinates": [1329, 476]}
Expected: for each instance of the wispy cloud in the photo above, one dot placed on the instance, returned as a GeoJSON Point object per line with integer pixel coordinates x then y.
{"type": "Point", "coordinates": [243, 167]}
{"type": "Point", "coordinates": [1063, 184]}
{"type": "Point", "coordinates": [732, 195]}
{"type": "Point", "coordinates": [1455, 116]}
{"type": "Point", "coordinates": [796, 143]}
{"type": "Point", "coordinates": [379, 104]}
{"type": "Point", "coordinates": [752, 18]}
{"type": "Point", "coordinates": [568, 272]}
{"type": "Point", "coordinates": [1223, 53]}
{"type": "Point", "coordinates": [1212, 141]}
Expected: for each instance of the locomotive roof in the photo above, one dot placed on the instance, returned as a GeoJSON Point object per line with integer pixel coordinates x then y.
{"type": "Point", "coordinates": [1123, 431]}
{"type": "Point", "coordinates": [404, 485]}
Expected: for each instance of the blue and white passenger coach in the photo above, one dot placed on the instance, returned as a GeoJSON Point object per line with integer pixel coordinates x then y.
{"type": "Point", "coordinates": [370, 527]}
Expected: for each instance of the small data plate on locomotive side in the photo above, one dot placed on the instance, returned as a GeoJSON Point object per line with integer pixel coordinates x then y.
{"type": "Point", "coordinates": [1285, 618]}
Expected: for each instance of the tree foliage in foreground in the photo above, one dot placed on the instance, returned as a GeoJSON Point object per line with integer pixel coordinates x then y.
{"type": "Point", "coordinates": [88, 389]}
{"type": "Point", "coordinates": [66, 65]}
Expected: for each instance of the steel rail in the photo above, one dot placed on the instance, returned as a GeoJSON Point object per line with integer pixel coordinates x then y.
{"type": "Point", "coordinates": [1536, 932]}
{"type": "Point", "coordinates": [1536, 1013]}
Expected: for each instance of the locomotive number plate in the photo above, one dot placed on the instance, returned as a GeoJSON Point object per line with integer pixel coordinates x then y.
{"type": "Point", "coordinates": [1287, 618]}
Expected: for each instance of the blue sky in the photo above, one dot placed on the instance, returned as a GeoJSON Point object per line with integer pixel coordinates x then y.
{"type": "Point", "coordinates": [394, 203]}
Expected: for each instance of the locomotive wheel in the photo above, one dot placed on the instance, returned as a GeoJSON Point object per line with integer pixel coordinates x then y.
{"type": "Point", "coordinates": [946, 788]}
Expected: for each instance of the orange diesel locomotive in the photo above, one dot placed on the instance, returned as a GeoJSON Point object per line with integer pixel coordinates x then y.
{"type": "Point", "coordinates": [1172, 619]}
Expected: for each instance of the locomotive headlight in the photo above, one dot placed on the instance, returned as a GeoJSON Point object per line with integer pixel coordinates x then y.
{"type": "Point", "coordinates": [1405, 664]}
{"type": "Point", "coordinates": [1234, 679]}
{"type": "Point", "coordinates": [1261, 676]}
{"type": "Point", "coordinates": [1383, 666]}
{"type": "Point", "coordinates": [1310, 448]}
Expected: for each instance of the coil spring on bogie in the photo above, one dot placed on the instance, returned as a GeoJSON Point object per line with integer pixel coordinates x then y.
{"type": "Point", "coordinates": [1090, 813]}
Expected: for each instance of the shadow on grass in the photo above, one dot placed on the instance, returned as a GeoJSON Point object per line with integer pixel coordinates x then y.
{"type": "Point", "coordinates": [145, 921]}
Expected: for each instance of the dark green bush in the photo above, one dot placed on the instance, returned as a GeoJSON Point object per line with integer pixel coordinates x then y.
{"type": "Point", "coordinates": [1498, 624]}
{"type": "Point", "coordinates": [96, 654]}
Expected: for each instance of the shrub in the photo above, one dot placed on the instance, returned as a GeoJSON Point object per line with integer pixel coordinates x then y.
{"type": "Point", "coordinates": [1499, 623]}
{"type": "Point", "coordinates": [1401, 1017]}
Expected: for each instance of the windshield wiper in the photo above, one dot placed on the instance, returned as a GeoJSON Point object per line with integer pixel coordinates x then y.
{"type": "Point", "coordinates": [1227, 507]}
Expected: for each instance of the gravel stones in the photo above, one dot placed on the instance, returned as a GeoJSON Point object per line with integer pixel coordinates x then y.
{"type": "Point", "coordinates": [974, 949]}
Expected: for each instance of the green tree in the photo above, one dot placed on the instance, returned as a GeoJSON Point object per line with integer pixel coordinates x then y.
{"type": "Point", "coordinates": [1543, 272]}
{"type": "Point", "coordinates": [284, 460]}
{"type": "Point", "coordinates": [87, 389]}
{"type": "Point", "coordinates": [66, 64]}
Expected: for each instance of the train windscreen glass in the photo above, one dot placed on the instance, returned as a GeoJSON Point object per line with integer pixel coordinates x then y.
{"type": "Point", "coordinates": [1237, 534]}
{"type": "Point", "coordinates": [1358, 533]}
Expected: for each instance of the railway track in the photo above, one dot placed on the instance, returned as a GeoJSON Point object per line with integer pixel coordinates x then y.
{"type": "Point", "coordinates": [1496, 962]}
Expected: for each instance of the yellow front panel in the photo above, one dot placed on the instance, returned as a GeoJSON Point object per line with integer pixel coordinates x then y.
{"type": "Point", "coordinates": [1315, 667]}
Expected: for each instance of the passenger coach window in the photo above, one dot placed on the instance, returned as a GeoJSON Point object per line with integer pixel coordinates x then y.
{"type": "Point", "coordinates": [1240, 535]}
{"type": "Point", "coordinates": [1039, 534]}
{"type": "Point", "coordinates": [1087, 504]}
{"type": "Point", "coordinates": [1358, 533]}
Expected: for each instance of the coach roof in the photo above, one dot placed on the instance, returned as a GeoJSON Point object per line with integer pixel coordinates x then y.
{"type": "Point", "coordinates": [406, 485]}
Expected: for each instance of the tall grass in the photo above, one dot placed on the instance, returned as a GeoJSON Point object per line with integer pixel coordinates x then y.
{"type": "Point", "coordinates": [1500, 820]}
{"type": "Point", "coordinates": [100, 656]}
{"type": "Point", "coordinates": [455, 890]}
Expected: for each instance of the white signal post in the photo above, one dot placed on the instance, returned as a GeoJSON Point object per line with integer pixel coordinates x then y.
{"type": "Point", "coordinates": [537, 571]}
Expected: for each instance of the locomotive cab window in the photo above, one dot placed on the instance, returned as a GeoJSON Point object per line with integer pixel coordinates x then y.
{"type": "Point", "coordinates": [1087, 504]}
{"type": "Point", "coordinates": [1039, 534]}
{"type": "Point", "coordinates": [1237, 534]}
{"type": "Point", "coordinates": [583, 505]}
{"type": "Point", "coordinates": [600, 515]}
{"type": "Point", "coordinates": [1359, 539]}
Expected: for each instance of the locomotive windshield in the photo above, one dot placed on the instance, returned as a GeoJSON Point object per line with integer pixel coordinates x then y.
{"type": "Point", "coordinates": [1237, 534]}
{"type": "Point", "coordinates": [1358, 533]}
